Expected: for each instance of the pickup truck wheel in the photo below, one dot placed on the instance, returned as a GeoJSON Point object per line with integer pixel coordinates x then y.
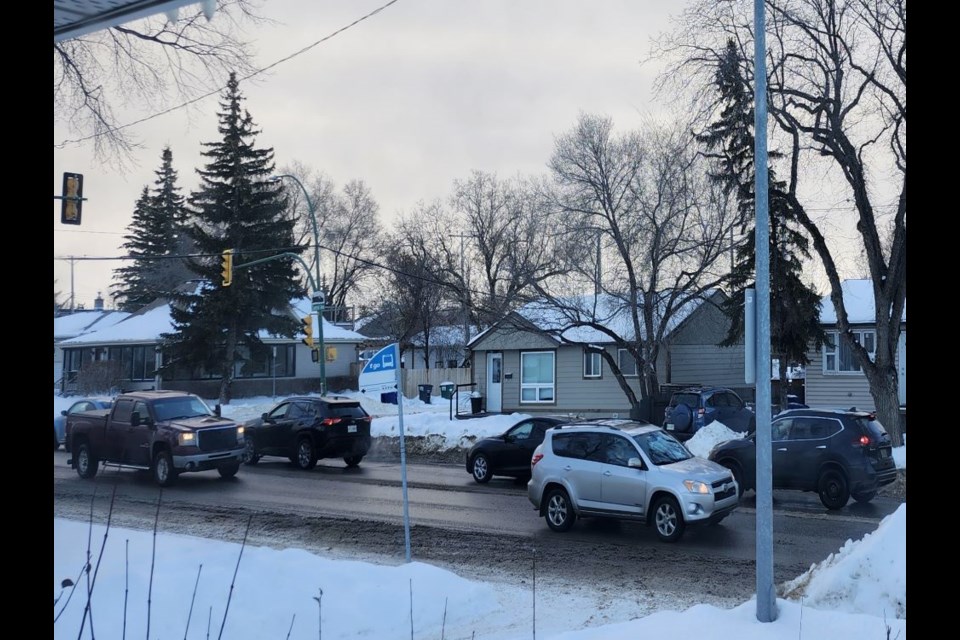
{"type": "Point", "coordinates": [228, 470]}
{"type": "Point", "coordinates": [86, 462]}
{"type": "Point", "coordinates": [306, 455]}
{"type": "Point", "coordinates": [163, 472]}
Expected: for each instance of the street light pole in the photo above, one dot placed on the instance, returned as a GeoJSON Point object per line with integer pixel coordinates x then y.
{"type": "Point", "coordinates": [318, 296]}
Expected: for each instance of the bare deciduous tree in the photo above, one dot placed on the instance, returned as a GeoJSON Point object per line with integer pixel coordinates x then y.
{"type": "Point", "coordinates": [148, 65]}
{"type": "Point", "coordinates": [664, 229]}
{"type": "Point", "coordinates": [349, 231]}
{"type": "Point", "coordinates": [837, 90]}
{"type": "Point", "coordinates": [508, 223]}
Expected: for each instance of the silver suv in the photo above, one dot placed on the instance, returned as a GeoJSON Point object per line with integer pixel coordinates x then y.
{"type": "Point", "coordinates": [627, 470]}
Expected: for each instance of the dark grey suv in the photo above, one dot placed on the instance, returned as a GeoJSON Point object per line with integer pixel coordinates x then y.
{"type": "Point", "coordinates": [306, 428]}
{"type": "Point", "coordinates": [838, 454]}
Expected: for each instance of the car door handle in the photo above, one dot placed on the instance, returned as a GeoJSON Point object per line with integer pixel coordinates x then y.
{"type": "Point", "coordinates": [822, 446]}
{"type": "Point", "coordinates": [607, 473]}
{"type": "Point", "coordinates": [782, 449]}
{"type": "Point", "coordinates": [567, 468]}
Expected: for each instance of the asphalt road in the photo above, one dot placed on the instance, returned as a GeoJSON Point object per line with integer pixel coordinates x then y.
{"type": "Point", "coordinates": [483, 531]}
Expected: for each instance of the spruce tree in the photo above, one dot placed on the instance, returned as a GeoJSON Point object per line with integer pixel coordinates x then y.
{"type": "Point", "coordinates": [238, 207]}
{"type": "Point", "coordinates": [155, 242]}
{"type": "Point", "coordinates": [794, 306]}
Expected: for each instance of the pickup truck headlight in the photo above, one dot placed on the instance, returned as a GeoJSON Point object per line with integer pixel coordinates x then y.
{"type": "Point", "coordinates": [240, 434]}
{"type": "Point", "coordinates": [695, 486]}
{"type": "Point", "coordinates": [187, 439]}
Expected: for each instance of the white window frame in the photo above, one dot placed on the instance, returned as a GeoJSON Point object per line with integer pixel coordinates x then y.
{"type": "Point", "coordinates": [831, 355]}
{"type": "Point", "coordinates": [620, 354]}
{"type": "Point", "coordinates": [539, 387]}
{"type": "Point", "coordinates": [591, 356]}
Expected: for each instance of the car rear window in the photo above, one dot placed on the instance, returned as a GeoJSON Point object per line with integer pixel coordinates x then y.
{"type": "Point", "coordinates": [345, 411]}
{"type": "Point", "coordinates": [871, 427]}
{"type": "Point", "coordinates": [689, 399]}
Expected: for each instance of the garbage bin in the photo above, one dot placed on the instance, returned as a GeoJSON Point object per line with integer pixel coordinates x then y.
{"type": "Point", "coordinates": [446, 390]}
{"type": "Point", "coordinates": [425, 391]}
{"type": "Point", "coordinates": [476, 403]}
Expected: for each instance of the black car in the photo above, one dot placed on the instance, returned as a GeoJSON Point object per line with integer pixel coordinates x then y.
{"type": "Point", "coordinates": [305, 429]}
{"type": "Point", "coordinates": [509, 453]}
{"type": "Point", "coordinates": [838, 454]}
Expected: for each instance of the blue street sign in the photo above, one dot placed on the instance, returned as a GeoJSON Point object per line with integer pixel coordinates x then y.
{"type": "Point", "coordinates": [382, 371]}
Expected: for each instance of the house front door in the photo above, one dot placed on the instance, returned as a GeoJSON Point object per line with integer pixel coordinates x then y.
{"type": "Point", "coordinates": [494, 382]}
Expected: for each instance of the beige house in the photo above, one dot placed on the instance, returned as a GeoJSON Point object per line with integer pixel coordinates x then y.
{"type": "Point", "coordinates": [833, 379]}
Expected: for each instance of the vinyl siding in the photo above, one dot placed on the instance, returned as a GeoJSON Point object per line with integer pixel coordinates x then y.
{"type": "Point", "coordinates": [840, 390]}
{"type": "Point", "coordinates": [837, 390]}
{"type": "Point", "coordinates": [706, 364]}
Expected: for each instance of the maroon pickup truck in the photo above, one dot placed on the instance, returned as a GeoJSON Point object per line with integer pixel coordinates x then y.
{"type": "Point", "coordinates": [167, 432]}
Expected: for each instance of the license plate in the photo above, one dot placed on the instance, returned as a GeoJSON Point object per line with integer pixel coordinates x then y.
{"type": "Point", "coordinates": [351, 428]}
{"type": "Point", "coordinates": [669, 427]}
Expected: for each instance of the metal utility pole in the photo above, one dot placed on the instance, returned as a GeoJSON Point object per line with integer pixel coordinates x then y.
{"type": "Point", "coordinates": [463, 276]}
{"type": "Point", "coordinates": [766, 595]}
{"type": "Point", "coordinates": [318, 299]}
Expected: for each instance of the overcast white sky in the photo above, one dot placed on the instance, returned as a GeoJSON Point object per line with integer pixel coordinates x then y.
{"type": "Point", "coordinates": [408, 100]}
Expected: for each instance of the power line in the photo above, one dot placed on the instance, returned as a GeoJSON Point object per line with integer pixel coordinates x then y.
{"type": "Point", "coordinates": [218, 90]}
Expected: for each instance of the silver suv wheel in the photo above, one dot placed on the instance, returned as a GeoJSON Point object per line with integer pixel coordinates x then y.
{"type": "Point", "coordinates": [668, 520]}
{"type": "Point", "coordinates": [559, 511]}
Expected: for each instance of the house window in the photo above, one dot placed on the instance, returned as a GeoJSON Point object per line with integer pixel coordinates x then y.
{"type": "Point", "coordinates": [592, 364]}
{"type": "Point", "coordinates": [626, 362]}
{"type": "Point", "coordinates": [839, 357]}
{"type": "Point", "coordinates": [537, 377]}
{"type": "Point", "coordinates": [283, 365]}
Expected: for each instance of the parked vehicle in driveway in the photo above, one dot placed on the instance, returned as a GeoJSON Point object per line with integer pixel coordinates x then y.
{"type": "Point", "coordinates": [307, 428]}
{"type": "Point", "coordinates": [167, 432]}
{"type": "Point", "coordinates": [836, 453]}
{"type": "Point", "coordinates": [693, 408]}
{"type": "Point", "coordinates": [509, 453]}
{"type": "Point", "coordinates": [627, 470]}
{"type": "Point", "coordinates": [60, 421]}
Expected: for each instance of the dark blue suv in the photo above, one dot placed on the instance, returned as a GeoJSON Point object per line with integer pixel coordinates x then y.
{"type": "Point", "coordinates": [692, 408]}
{"type": "Point", "coordinates": [837, 454]}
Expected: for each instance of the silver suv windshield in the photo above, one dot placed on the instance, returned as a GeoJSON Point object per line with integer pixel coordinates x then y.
{"type": "Point", "coordinates": [662, 448]}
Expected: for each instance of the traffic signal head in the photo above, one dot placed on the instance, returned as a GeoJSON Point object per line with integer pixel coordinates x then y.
{"type": "Point", "coordinates": [307, 330]}
{"type": "Point", "coordinates": [227, 266]}
{"type": "Point", "coordinates": [71, 200]}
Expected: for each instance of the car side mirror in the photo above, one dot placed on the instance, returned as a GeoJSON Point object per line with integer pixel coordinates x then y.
{"type": "Point", "coordinates": [64, 412]}
{"type": "Point", "coordinates": [635, 463]}
{"type": "Point", "coordinates": [218, 410]}
{"type": "Point", "coordinates": [264, 417]}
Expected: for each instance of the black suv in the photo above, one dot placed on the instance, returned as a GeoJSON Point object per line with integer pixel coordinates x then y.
{"type": "Point", "coordinates": [692, 408]}
{"type": "Point", "coordinates": [838, 454]}
{"type": "Point", "coordinates": [305, 429]}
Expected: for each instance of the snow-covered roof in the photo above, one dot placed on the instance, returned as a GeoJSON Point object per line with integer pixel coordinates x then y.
{"type": "Point", "coordinates": [147, 325]}
{"type": "Point", "coordinates": [605, 310]}
{"type": "Point", "coordinates": [331, 332]}
{"type": "Point", "coordinates": [74, 324]}
{"type": "Point", "coordinates": [858, 300]}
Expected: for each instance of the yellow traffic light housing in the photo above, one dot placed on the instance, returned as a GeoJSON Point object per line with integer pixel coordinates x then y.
{"type": "Point", "coordinates": [227, 266]}
{"type": "Point", "coordinates": [307, 331]}
{"type": "Point", "coordinates": [72, 199]}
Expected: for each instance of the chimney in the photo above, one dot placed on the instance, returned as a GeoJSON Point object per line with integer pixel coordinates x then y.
{"type": "Point", "coordinates": [98, 302]}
